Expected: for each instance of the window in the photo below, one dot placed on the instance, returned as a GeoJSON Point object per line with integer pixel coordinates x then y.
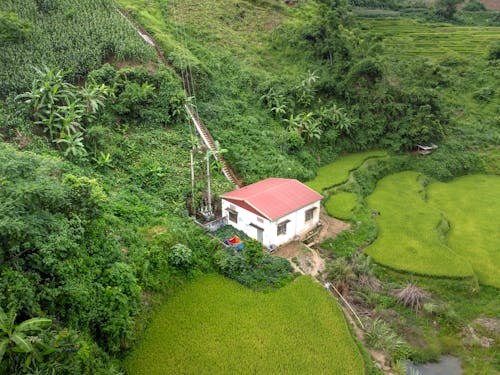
{"type": "Point", "coordinates": [310, 214]}
{"type": "Point", "coordinates": [282, 228]}
{"type": "Point", "coordinates": [233, 216]}
{"type": "Point", "coordinates": [260, 220]}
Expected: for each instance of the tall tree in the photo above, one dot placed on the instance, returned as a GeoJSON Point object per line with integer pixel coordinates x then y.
{"type": "Point", "coordinates": [447, 8]}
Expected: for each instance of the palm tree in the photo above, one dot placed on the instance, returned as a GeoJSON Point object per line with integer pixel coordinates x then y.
{"type": "Point", "coordinates": [292, 123]}
{"type": "Point", "coordinates": [47, 92]}
{"type": "Point", "coordinates": [280, 106]}
{"type": "Point", "coordinates": [340, 273]}
{"type": "Point", "coordinates": [345, 124]}
{"type": "Point", "coordinates": [312, 131]}
{"type": "Point", "coordinates": [94, 96]}
{"type": "Point", "coordinates": [20, 338]}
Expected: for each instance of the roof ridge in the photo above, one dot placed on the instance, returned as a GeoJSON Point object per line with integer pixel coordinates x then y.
{"type": "Point", "coordinates": [284, 180]}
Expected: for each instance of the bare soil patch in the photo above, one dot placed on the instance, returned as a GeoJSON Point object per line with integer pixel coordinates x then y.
{"type": "Point", "coordinates": [303, 259]}
{"type": "Point", "coordinates": [331, 227]}
{"type": "Point", "coordinates": [490, 324]}
{"type": "Point", "coordinates": [491, 4]}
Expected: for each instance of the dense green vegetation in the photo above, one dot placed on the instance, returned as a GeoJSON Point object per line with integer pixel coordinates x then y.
{"type": "Point", "coordinates": [91, 241]}
{"type": "Point", "coordinates": [94, 226]}
{"type": "Point", "coordinates": [215, 326]}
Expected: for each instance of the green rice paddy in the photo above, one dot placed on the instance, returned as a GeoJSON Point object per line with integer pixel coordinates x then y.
{"type": "Point", "coordinates": [413, 226]}
{"type": "Point", "coordinates": [414, 38]}
{"type": "Point", "coordinates": [341, 205]}
{"type": "Point", "coordinates": [408, 238]}
{"type": "Point", "coordinates": [472, 206]}
{"type": "Point", "coordinates": [338, 172]}
{"type": "Point", "coordinates": [216, 326]}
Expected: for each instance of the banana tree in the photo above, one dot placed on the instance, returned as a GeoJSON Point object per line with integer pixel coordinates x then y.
{"type": "Point", "coordinates": [22, 337]}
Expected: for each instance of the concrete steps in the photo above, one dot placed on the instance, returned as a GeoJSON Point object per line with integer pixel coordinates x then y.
{"type": "Point", "coordinates": [209, 142]}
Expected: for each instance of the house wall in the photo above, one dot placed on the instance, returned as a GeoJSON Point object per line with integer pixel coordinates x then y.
{"type": "Point", "coordinates": [297, 225]}
{"type": "Point", "coordinates": [245, 218]}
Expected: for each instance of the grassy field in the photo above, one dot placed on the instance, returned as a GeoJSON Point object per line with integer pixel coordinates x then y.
{"type": "Point", "coordinates": [338, 172]}
{"type": "Point", "coordinates": [408, 239]}
{"type": "Point", "coordinates": [414, 233]}
{"type": "Point", "coordinates": [215, 326]}
{"type": "Point", "coordinates": [341, 205]}
{"type": "Point", "coordinates": [472, 206]}
{"type": "Point", "coordinates": [413, 38]}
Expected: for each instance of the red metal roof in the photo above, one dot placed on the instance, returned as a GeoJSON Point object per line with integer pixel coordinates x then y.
{"type": "Point", "coordinates": [273, 198]}
{"type": "Point", "coordinates": [246, 206]}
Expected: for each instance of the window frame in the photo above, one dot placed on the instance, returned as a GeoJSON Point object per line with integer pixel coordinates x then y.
{"type": "Point", "coordinates": [281, 228]}
{"type": "Point", "coordinates": [309, 212]}
{"type": "Point", "coordinates": [233, 215]}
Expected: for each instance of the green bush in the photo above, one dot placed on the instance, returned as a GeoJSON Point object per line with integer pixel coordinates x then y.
{"type": "Point", "coordinates": [181, 257]}
{"type": "Point", "coordinates": [380, 336]}
{"type": "Point", "coordinates": [484, 94]}
{"type": "Point", "coordinates": [494, 52]}
{"type": "Point", "coordinates": [13, 29]}
{"type": "Point", "coordinates": [58, 257]}
{"type": "Point", "coordinates": [259, 272]}
{"type": "Point", "coordinates": [474, 6]}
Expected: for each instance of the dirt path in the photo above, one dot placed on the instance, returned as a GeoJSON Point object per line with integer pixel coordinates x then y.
{"type": "Point", "coordinates": [303, 258]}
{"type": "Point", "coordinates": [331, 227]}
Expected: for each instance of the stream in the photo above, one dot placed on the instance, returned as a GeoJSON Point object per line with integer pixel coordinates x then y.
{"type": "Point", "coordinates": [448, 365]}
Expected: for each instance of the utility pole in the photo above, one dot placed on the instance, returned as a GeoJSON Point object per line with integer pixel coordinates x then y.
{"type": "Point", "coordinates": [209, 187]}
{"type": "Point", "coordinates": [191, 156]}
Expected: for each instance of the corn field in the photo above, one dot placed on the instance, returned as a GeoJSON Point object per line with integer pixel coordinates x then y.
{"type": "Point", "coordinates": [74, 35]}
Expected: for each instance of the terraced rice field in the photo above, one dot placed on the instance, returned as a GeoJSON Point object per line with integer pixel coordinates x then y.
{"type": "Point", "coordinates": [341, 205]}
{"type": "Point", "coordinates": [216, 326]}
{"type": "Point", "coordinates": [408, 239]}
{"type": "Point", "coordinates": [472, 206]}
{"type": "Point", "coordinates": [338, 172]}
{"type": "Point", "coordinates": [413, 225]}
{"type": "Point", "coordinates": [410, 37]}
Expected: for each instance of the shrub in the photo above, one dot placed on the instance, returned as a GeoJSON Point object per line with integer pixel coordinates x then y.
{"type": "Point", "coordinates": [484, 94]}
{"type": "Point", "coordinates": [253, 251]}
{"type": "Point", "coordinates": [265, 272]}
{"type": "Point", "coordinates": [341, 274]}
{"type": "Point", "coordinates": [380, 336]}
{"type": "Point", "coordinates": [411, 296]}
{"type": "Point", "coordinates": [12, 28]}
{"type": "Point", "coordinates": [494, 52]}
{"type": "Point", "coordinates": [474, 6]}
{"type": "Point", "coordinates": [181, 257]}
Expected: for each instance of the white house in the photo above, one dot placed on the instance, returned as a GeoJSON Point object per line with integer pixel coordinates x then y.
{"type": "Point", "coordinates": [273, 211]}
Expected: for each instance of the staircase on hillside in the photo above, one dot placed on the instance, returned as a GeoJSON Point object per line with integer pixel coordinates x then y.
{"type": "Point", "coordinates": [202, 130]}
{"type": "Point", "coordinates": [209, 142]}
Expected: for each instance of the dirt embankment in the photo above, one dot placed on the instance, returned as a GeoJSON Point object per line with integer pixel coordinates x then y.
{"type": "Point", "coordinates": [491, 4]}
